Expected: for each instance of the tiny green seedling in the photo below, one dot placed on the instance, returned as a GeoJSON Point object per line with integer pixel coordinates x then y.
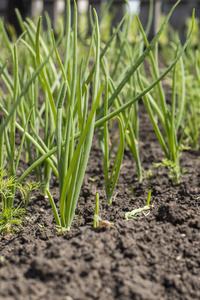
{"type": "Point", "coordinates": [78, 216]}
{"type": "Point", "coordinates": [93, 179]}
{"type": "Point", "coordinates": [148, 197]}
{"type": "Point", "coordinates": [175, 171]}
{"type": "Point", "coordinates": [42, 226]}
{"type": "Point", "coordinates": [148, 177]}
{"type": "Point", "coordinates": [61, 229]}
{"type": "Point", "coordinates": [134, 213]}
{"type": "Point", "coordinates": [132, 190]}
{"type": "Point", "coordinates": [103, 223]}
{"type": "Point", "coordinates": [9, 217]}
{"type": "Point", "coordinates": [96, 222]}
{"type": "Point", "coordinates": [27, 189]}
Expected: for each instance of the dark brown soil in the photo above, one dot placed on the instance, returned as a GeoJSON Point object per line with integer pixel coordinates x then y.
{"type": "Point", "coordinates": [153, 257]}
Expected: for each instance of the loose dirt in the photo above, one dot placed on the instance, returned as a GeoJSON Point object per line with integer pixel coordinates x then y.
{"type": "Point", "coordinates": [156, 256]}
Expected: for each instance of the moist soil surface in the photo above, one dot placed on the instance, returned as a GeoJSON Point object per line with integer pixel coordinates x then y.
{"type": "Point", "coordinates": [155, 256]}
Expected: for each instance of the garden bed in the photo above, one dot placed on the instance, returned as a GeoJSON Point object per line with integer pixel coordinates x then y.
{"type": "Point", "coordinates": [54, 94]}
{"type": "Point", "coordinates": [154, 256]}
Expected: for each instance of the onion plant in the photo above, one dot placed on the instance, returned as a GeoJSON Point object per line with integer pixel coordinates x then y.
{"type": "Point", "coordinates": [76, 158]}
{"type": "Point", "coordinates": [111, 181]}
{"type": "Point", "coordinates": [72, 158]}
{"type": "Point", "coordinates": [120, 59]}
{"type": "Point", "coordinates": [170, 117]}
{"type": "Point", "coordinates": [191, 77]}
{"type": "Point", "coordinates": [192, 110]}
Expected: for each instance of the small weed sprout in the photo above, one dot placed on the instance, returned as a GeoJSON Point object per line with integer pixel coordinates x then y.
{"type": "Point", "coordinates": [12, 215]}
{"type": "Point", "coordinates": [148, 178]}
{"type": "Point", "coordinates": [175, 171]}
{"type": "Point", "coordinates": [27, 189]}
{"type": "Point", "coordinates": [6, 183]}
{"type": "Point", "coordinates": [9, 217]}
{"type": "Point", "coordinates": [61, 229]}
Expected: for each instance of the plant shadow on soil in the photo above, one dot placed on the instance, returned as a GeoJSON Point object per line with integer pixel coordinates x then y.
{"type": "Point", "coordinates": [153, 257]}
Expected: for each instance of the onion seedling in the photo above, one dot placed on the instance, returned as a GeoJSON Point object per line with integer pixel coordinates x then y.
{"type": "Point", "coordinates": [133, 214]}
{"type": "Point", "coordinates": [103, 223]}
{"type": "Point", "coordinates": [96, 212]}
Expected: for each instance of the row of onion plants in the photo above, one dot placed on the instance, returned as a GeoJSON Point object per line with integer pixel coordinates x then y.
{"type": "Point", "coordinates": [57, 91]}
